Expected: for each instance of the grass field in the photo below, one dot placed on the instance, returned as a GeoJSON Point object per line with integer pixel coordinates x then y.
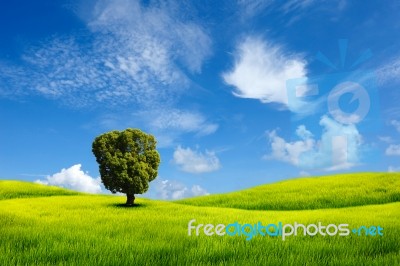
{"type": "Point", "coordinates": [79, 229]}
{"type": "Point", "coordinates": [311, 193]}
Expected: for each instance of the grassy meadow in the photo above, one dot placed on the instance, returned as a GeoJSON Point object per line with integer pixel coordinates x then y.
{"type": "Point", "coordinates": [60, 227]}
{"type": "Point", "coordinates": [335, 191]}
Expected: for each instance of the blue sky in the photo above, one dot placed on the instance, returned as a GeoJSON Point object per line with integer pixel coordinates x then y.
{"type": "Point", "coordinates": [237, 93]}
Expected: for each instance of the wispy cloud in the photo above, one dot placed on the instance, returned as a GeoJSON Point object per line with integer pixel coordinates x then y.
{"type": "Point", "coordinates": [186, 121]}
{"type": "Point", "coordinates": [386, 139]}
{"type": "Point", "coordinates": [129, 53]}
{"type": "Point", "coordinates": [296, 5]}
{"type": "Point", "coordinates": [339, 147]}
{"type": "Point", "coordinates": [73, 178]}
{"type": "Point", "coordinates": [148, 27]}
{"type": "Point", "coordinates": [167, 123]}
{"type": "Point", "coordinates": [261, 70]}
{"type": "Point", "coordinates": [396, 125]}
{"type": "Point", "coordinates": [196, 162]}
{"type": "Point", "coordinates": [393, 150]}
{"type": "Point", "coordinates": [389, 72]}
{"type": "Point", "coordinates": [289, 11]}
{"type": "Point", "coordinates": [250, 9]}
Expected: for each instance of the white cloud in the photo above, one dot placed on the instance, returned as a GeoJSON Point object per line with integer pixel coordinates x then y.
{"type": "Point", "coordinates": [250, 9]}
{"type": "Point", "coordinates": [304, 173]}
{"type": "Point", "coordinates": [186, 121]}
{"type": "Point", "coordinates": [338, 148]}
{"type": "Point", "coordinates": [386, 139]}
{"type": "Point", "coordinates": [393, 169]}
{"type": "Point", "coordinates": [261, 70]}
{"type": "Point", "coordinates": [73, 178]}
{"type": "Point", "coordinates": [157, 22]}
{"type": "Point", "coordinates": [170, 189]}
{"type": "Point", "coordinates": [389, 72]}
{"type": "Point", "coordinates": [197, 190]}
{"type": "Point", "coordinates": [289, 151]}
{"type": "Point", "coordinates": [195, 162]}
{"type": "Point", "coordinates": [396, 124]}
{"type": "Point", "coordinates": [303, 133]}
{"type": "Point", "coordinates": [167, 124]}
{"type": "Point", "coordinates": [129, 53]}
{"type": "Point", "coordinates": [291, 10]}
{"type": "Point", "coordinates": [393, 149]}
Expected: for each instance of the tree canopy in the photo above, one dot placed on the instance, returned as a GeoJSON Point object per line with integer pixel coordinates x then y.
{"type": "Point", "coordinates": [128, 161]}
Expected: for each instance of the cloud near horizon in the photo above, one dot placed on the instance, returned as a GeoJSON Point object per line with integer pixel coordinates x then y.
{"type": "Point", "coordinates": [393, 149]}
{"type": "Point", "coordinates": [338, 148]}
{"type": "Point", "coordinates": [73, 178]}
{"type": "Point", "coordinates": [173, 190]}
{"type": "Point", "coordinates": [195, 162]}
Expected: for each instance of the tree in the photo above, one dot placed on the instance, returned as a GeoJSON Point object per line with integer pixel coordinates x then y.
{"type": "Point", "coordinates": [128, 161]}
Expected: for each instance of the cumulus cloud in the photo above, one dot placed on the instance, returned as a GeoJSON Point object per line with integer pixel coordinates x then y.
{"type": "Point", "coordinates": [170, 189]}
{"type": "Point", "coordinates": [261, 70]}
{"type": "Point", "coordinates": [393, 150]}
{"type": "Point", "coordinates": [196, 162]}
{"type": "Point", "coordinates": [338, 148]}
{"type": "Point", "coordinates": [73, 178]}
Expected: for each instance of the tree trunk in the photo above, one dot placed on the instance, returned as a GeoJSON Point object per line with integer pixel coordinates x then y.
{"type": "Point", "coordinates": [130, 198]}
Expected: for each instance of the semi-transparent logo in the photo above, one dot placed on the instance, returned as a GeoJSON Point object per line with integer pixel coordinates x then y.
{"type": "Point", "coordinates": [341, 106]}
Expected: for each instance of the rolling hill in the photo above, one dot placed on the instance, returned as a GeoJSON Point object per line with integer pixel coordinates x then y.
{"type": "Point", "coordinates": [51, 226]}
{"type": "Point", "coordinates": [334, 191]}
{"type": "Point", "coordinates": [10, 189]}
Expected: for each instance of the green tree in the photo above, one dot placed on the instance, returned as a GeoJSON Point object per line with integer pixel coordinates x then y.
{"type": "Point", "coordinates": [128, 161]}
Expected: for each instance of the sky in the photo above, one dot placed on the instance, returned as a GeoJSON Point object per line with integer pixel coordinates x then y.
{"type": "Point", "coordinates": [237, 93]}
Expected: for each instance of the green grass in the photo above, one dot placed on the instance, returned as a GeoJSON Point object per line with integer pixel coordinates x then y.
{"type": "Point", "coordinates": [97, 230]}
{"type": "Point", "coordinates": [18, 189]}
{"type": "Point", "coordinates": [336, 191]}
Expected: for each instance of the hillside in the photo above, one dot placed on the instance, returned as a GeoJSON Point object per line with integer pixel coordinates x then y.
{"type": "Point", "coordinates": [334, 191]}
{"type": "Point", "coordinates": [49, 226]}
{"type": "Point", "coordinates": [10, 189]}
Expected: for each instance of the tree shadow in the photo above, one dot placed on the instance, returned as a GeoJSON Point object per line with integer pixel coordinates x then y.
{"type": "Point", "coordinates": [124, 206]}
